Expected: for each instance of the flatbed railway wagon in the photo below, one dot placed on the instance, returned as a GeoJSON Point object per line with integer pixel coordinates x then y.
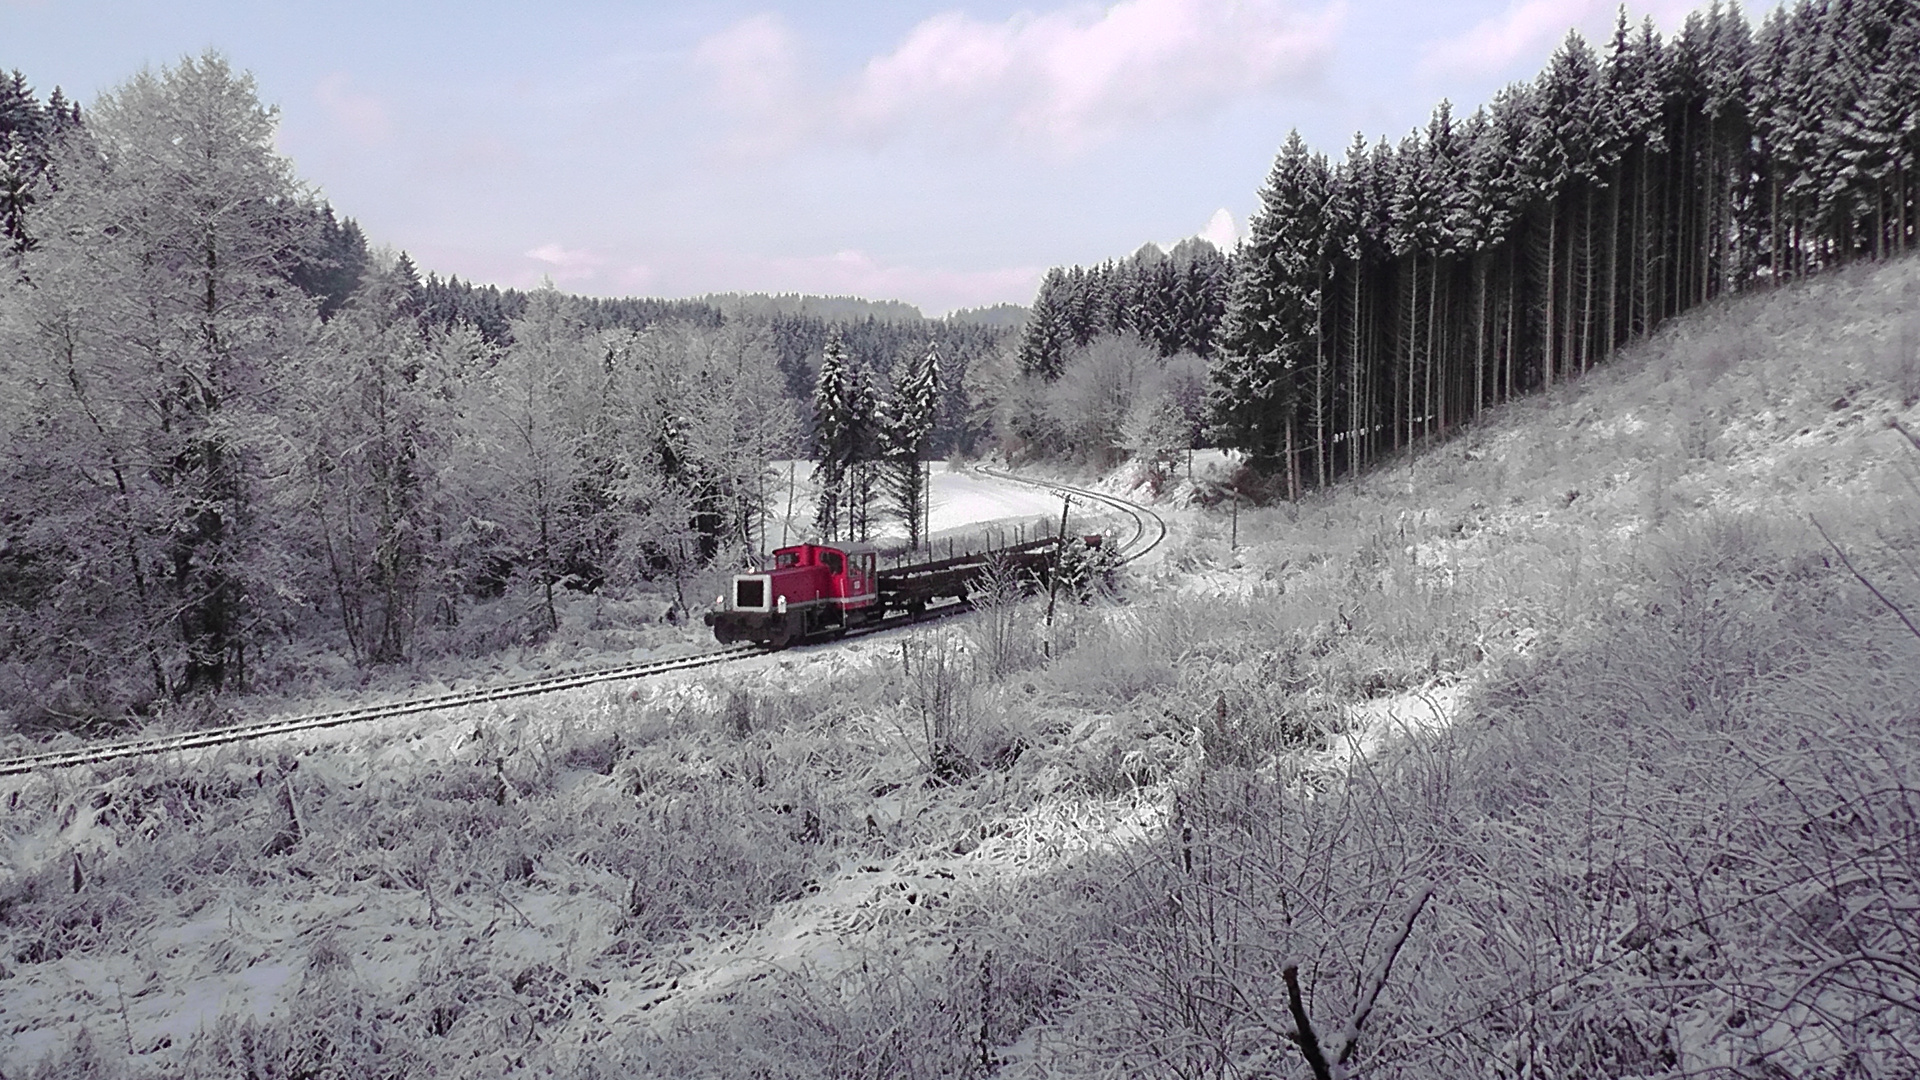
{"type": "Point", "coordinates": [824, 590]}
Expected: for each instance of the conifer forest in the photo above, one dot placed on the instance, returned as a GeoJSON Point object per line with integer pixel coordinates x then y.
{"type": "Point", "coordinates": [1391, 295]}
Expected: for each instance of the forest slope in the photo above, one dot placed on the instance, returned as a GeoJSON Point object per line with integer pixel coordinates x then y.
{"type": "Point", "coordinates": [1589, 672]}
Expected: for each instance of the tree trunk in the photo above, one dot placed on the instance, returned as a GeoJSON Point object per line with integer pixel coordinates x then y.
{"type": "Point", "coordinates": [1613, 261]}
{"type": "Point", "coordinates": [1547, 327]}
{"type": "Point", "coordinates": [1435, 389]}
{"type": "Point", "coordinates": [1320, 443]}
{"type": "Point", "coordinates": [1356, 390]}
{"type": "Point", "coordinates": [1479, 335]}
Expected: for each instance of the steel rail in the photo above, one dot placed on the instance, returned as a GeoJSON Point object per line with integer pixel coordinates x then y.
{"type": "Point", "coordinates": [1143, 517]}
{"type": "Point", "coordinates": [191, 740]}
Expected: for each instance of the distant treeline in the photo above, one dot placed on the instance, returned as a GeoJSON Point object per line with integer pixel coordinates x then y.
{"type": "Point", "coordinates": [878, 336]}
{"type": "Point", "coordinates": [1172, 300]}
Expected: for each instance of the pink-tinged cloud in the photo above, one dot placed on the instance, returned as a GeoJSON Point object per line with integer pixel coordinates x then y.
{"type": "Point", "coordinates": [1062, 80]}
{"type": "Point", "coordinates": [1526, 34]}
{"type": "Point", "coordinates": [1078, 76]}
{"type": "Point", "coordinates": [363, 117]}
{"type": "Point", "coordinates": [754, 65]}
{"type": "Point", "coordinates": [567, 264]}
{"type": "Point", "coordinates": [1220, 230]}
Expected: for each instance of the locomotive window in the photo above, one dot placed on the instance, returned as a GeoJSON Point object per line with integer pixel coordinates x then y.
{"type": "Point", "coordinates": [786, 560]}
{"type": "Point", "coordinates": [749, 593]}
{"type": "Point", "coordinates": [833, 561]}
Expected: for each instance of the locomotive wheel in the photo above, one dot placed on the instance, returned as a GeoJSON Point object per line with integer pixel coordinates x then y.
{"type": "Point", "coordinates": [916, 608]}
{"type": "Point", "coordinates": [782, 636]}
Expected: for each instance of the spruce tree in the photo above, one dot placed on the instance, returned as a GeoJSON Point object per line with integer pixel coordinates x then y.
{"type": "Point", "coordinates": [1272, 322]}
{"type": "Point", "coordinates": [1043, 341]}
{"type": "Point", "coordinates": [835, 433]}
{"type": "Point", "coordinates": [24, 129]}
{"type": "Point", "coordinates": [907, 427]}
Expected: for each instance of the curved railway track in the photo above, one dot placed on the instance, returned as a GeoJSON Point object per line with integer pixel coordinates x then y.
{"type": "Point", "coordinates": [1149, 530]}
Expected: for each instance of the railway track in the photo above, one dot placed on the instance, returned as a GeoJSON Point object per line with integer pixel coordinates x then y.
{"type": "Point", "coordinates": [1149, 530]}
{"type": "Point", "coordinates": [189, 740]}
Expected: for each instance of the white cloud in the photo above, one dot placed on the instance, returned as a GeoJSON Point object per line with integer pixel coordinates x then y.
{"type": "Point", "coordinates": [1526, 33]}
{"type": "Point", "coordinates": [1062, 80]}
{"type": "Point", "coordinates": [755, 69]}
{"type": "Point", "coordinates": [1220, 230]}
{"type": "Point", "coordinates": [361, 116]}
{"type": "Point", "coordinates": [1081, 75]}
{"type": "Point", "coordinates": [569, 264]}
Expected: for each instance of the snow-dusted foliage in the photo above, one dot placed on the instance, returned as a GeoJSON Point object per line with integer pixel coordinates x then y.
{"type": "Point", "coordinates": [235, 440]}
{"type": "Point", "coordinates": [1591, 757]}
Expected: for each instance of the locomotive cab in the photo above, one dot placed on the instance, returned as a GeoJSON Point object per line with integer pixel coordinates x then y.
{"type": "Point", "coordinates": [804, 590]}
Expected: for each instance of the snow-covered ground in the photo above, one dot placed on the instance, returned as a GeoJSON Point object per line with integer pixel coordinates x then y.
{"type": "Point", "coordinates": [964, 504]}
{"type": "Point", "coordinates": [179, 968]}
{"type": "Point", "coordinates": [464, 872]}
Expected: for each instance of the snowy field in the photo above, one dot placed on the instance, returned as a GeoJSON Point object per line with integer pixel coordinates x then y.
{"type": "Point", "coordinates": [1563, 670]}
{"type": "Point", "coordinates": [965, 504]}
{"type": "Point", "coordinates": [190, 957]}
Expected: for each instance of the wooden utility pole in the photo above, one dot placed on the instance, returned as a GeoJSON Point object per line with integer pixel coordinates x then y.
{"type": "Point", "coordinates": [1053, 580]}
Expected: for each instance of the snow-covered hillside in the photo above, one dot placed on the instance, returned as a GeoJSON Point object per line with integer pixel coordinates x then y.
{"type": "Point", "coordinates": [1589, 672]}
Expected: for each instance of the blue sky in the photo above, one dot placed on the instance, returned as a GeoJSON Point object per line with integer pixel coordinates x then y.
{"type": "Point", "coordinates": [944, 154]}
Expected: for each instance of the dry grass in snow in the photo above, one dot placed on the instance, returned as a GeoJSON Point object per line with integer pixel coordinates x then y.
{"type": "Point", "coordinates": [1570, 746]}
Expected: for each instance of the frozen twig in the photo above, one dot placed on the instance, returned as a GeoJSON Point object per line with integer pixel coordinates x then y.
{"type": "Point", "coordinates": [1903, 429]}
{"type": "Point", "coordinates": [1862, 578]}
{"type": "Point", "coordinates": [1303, 1026]}
{"type": "Point", "coordinates": [1350, 1038]}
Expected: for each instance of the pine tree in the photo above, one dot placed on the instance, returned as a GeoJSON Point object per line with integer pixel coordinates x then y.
{"type": "Point", "coordinates": [24, 133]}
{"type": "Point", "coordinates": [330, 269]}
{"type": "Point", "coordinates": [835, 435]}
{"type": "Point", "coordinates": [908, 425]}
{"type": "Point", "coordinates": [864, 454]}
{"type": "Point", "coordinates": [1562, 178]}
{"type": "Point", "coordinates": [1272, 325]}
{"type": "Point", "coordinates": [1198, 299]}
{"type": "Point", "coordinates": [1044, 339]}
{"type": "Point", "coordinates": [1415, 285]}
{"type": "Point", "coordinates": [17, 174]}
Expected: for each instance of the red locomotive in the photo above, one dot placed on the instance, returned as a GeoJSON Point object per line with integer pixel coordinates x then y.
{"type": "Point", "coordinates": [810, 590]}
